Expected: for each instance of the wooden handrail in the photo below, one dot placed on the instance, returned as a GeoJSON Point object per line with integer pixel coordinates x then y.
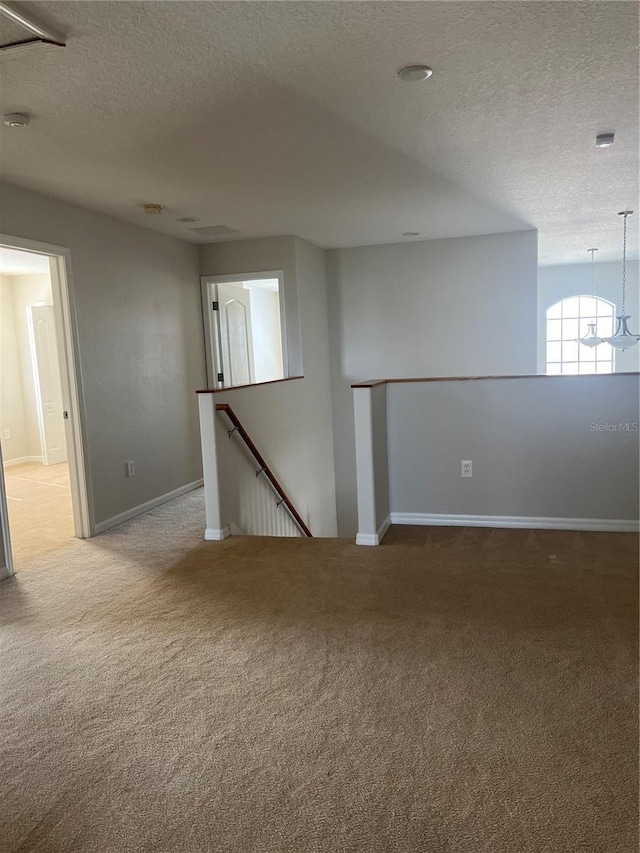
{"type": "Point", "coordinates": [244, 435]}
{"type": "Point", "coordinates": [373, 383]}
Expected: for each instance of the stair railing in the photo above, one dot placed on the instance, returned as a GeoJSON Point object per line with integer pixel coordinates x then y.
{"type": "Point", "coordinates": [283, 498]}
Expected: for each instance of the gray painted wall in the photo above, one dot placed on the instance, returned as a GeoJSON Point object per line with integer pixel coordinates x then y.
{"type": "Point", "coordinates": [379, 417]}
{"type": "Point", "coordinates": [290, 422]}
{"type": "Point", "coordinates": [532, 443]}
{"type": "Point", "coordinates": [141, 347]}
{"type": "Point", "coordinates": [433, 308]}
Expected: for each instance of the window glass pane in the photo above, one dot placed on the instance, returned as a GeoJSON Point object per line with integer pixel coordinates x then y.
{"type": "Point", "coordinates": [587, 306]}
{"type": "Point", "coordinates": [554, 351]}
{"type": "Point", "coordinates": [586, 367]}
{"type": "Point", "coordinates": [569, 366]}
{"type": "Point", "coordinates": [554, 368]}
{"type": "Point", "coordinates": [605, 327]}
{"type": "Point", "coordinates": [604, 367]}
{"type": "Point", "coordinates": [605, 309]}
{"type": "Point", "coordinates": [570, 350]}
{"type": "Point", "coordinates": [587, 353]}
{"type": "Point", "coordinates": [555, 312]}
{"type": "Point", "coordinates": [554, 330]}
{"type": "Point", "coordinates": [571, 307]}
{"type": "Point", "coordinates": [570, 329]}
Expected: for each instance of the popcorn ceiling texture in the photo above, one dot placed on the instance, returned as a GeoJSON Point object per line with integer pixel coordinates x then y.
{"type": "Point", "coordinates": [453, 691]}
{"type": "Point", "coordinates": [288, 118]}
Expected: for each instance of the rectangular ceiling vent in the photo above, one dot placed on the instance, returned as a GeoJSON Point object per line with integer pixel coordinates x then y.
{"type": "Point", "coordinates": [212, 232]}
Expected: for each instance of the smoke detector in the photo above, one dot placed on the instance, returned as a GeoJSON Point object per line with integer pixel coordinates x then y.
{"type": "Point", "coordinates": [17, 119]}
{"type": "Point", "coordinates": [153, 209]}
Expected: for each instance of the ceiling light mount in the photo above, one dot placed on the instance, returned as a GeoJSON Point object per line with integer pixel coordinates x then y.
{"type": "Point", "coordinates": [153, 209]}
{"type": "Point", "coordinates": [188, 219]}
{"type": "Point", "coordinates": [17, 119]}
{"type": "Point", "coordinates": [410, 233]}
{"type": "Point", "coordinates": [605, 140]}
{"type": "Point", "coordinates": [414, 73]}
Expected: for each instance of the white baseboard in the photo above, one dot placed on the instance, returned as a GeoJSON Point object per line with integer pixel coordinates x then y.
{"type": "Point", "coordinates": [374, 538]}
{"type": "Point", "coordinates": [518, 521]}
{"type": "Point", "coordinates": [101, 526]}
{"type": "Point", "coordinates": [213, 534]}
{"type": "Point", "coordinates": [9, 462]}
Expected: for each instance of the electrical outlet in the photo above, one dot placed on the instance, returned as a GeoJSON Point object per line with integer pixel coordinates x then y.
{"type": "Point", "coordinates": [466, 468]}
{"type": "Point", "coordinates": [7, 435]}
{"type": "Point", "coordinates": [131, 470]}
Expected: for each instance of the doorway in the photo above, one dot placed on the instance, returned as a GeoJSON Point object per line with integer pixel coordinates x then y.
{"type": "Point", "coordinates": [43, 495]}
{"type": "Point", "coordinates": [244, 329]}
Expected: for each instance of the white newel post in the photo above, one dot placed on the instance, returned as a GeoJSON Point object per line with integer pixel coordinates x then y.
{"type": "Point", "coordinates": [215, 527]}
{"type": "Point", "coordinates": [365, 473]}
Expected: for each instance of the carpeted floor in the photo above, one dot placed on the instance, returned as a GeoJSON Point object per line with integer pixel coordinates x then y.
{"type": "Point", "coordinates": [41, 494]}
{"type": "Point", "coordinates": [453, 691]}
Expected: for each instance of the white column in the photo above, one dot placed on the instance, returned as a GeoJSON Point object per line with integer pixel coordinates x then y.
{"type": "Point", "coordinates": [365, 472]}
{"type": "Point", "coordinates": [215, 527]}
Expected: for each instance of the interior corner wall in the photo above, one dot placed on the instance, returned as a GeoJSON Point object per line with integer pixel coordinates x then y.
{"type": "Point", "coordinates": [454, 307]}
{"type": "Point", "coordinates": [563, 281]}
{"type": "Point", "coordinates": [141, 348]}
{"type": "Point", "coordinates": [290, 422]}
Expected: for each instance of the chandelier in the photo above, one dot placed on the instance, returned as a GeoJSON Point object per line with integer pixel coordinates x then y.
{"type": "Point", "coordinates": [623, 339]}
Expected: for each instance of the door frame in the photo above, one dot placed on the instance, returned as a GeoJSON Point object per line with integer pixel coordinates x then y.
{"type": "Point", "coordinates": [212, 344]}
{"type": "Point", "coordinates": [6, 569]}
{"type": "Point", "coordinates": [36, 377]}
{"type": "Point", "coordinates": [64, 312]}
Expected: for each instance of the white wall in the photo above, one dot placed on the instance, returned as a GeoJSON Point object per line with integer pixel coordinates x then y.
{"type": "Point", "coordinates": [290, 421]}
{"type": "Point", "coordinates": [265, 333]}
{"type": "Point", "coordinates": [141, 348]}
{"type": "Point", "coordinates": [432, 308]}
{"type": "Point", "coordinates": [536, 446]}
{"type": "Point", "coordinates": [11, 397]}
{"type": "Point", "coordinates": [560, 282]}
{"type": "Point", "coordinates": [18, 406]}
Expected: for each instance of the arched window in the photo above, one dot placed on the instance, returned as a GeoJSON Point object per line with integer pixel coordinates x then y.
{"type": "Point", "coordinates": [569, 319]}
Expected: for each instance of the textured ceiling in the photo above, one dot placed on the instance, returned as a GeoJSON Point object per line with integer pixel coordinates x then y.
{"type": "Point", "coordinates": [280, 118]}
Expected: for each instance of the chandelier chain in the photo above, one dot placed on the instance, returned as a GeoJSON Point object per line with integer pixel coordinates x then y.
{"type": "Point", "coordinates": [624, 260]}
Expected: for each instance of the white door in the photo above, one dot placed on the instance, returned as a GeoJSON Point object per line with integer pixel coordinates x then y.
{"type": "Point", "coordinates": [46, 369]}
{"type": "Point", "coordinates": [236, 340]}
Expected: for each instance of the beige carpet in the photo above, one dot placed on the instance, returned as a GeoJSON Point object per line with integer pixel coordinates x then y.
{"type": "Point", "coordinates": [40, 513]}
{"type": "Point", "coordinates": [453, 691]}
